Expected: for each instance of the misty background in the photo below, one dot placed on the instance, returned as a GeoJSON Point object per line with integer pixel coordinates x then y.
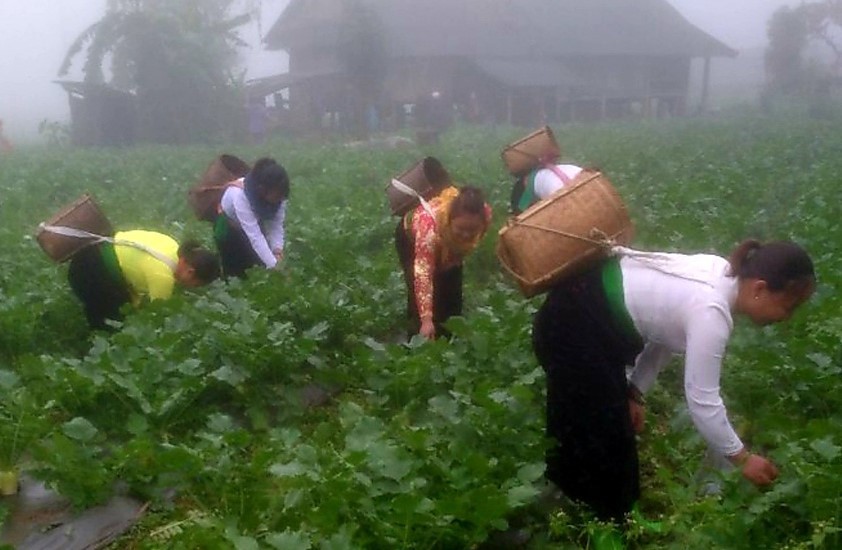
{"type": "Point", "coordinates": [36, 34]}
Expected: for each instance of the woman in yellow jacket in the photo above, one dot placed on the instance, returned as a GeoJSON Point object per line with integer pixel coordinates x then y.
{"type": "Point", "coordinates": [137, 265]}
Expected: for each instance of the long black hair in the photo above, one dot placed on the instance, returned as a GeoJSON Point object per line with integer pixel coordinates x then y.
{"type": "Point", "coordinates": [265, 175]}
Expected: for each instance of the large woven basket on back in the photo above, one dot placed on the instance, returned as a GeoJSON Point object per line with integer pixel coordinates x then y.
{"type": "Point", "coordinates": [82, 214]}
{"type": "Point", "coordinates": [564, 233]}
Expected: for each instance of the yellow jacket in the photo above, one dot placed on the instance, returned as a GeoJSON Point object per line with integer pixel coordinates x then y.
{"type": "Point", "coordinates": [145, 274]}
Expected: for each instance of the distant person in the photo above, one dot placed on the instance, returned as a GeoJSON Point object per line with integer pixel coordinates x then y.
{"type": "Point", "coordinates": [431, 247]}
{"type": "Point", "coordinates": [473, 112]}
{"type": "Point", "coordinates": [434, 115]}
{"type": "Point", "coordinates": [258, 118]}
{"type": "Point", "coordinates": [139, 265]}
{"type": "Point", "coordinates": [372, 116]}
{"type": "Point", "coordinates": [249, 230]}
{"type": "Point", "coordinates": [5, 145]}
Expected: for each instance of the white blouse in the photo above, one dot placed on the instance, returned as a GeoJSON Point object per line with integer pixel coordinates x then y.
{"type": "Point", "coordinates": [682, 304]}
{"type": "Point", "coordinates": [547, 182]}
{"type": "Point", "coordinates": [236, 206]}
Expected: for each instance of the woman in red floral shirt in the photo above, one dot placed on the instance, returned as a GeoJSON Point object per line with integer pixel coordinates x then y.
{"type": "Point", "coordinates": [431, 247]}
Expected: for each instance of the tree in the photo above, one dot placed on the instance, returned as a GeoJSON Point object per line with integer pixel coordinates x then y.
{"type": "Point", "coordinates": [791, 31]}
{"type": "Point", "coordinates": [177, 57]}
{"type": "Point", "coordinates": [784, 57]}
{"type": "Point", "coordinates": [824, 24]}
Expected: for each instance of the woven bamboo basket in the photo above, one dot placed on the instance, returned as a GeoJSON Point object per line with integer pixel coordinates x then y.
{"type": "Point", "coordinates": [564, 234]}
{"type": "Point", "coordinates": [82, 214]}
{"type": "Point", "coordinates": [204, 197]}
{"type": "Point", "coordinates": [531, 151]}
{"type": "Point", "coordinates": [427, 177]}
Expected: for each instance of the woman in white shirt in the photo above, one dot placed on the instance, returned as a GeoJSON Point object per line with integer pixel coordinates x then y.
{"type": "Point", "coordinates": [249, 230]}
{"type": "Point", "coordinates": [639, 310]}
{"type": "Point", "coordinates": [540, 183]}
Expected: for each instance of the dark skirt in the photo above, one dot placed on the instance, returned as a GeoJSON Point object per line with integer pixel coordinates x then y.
{"type": "Point", "coordinates": [447, 287]}
{"type": "Point", "coordinates": [593, 457]}
{"type": "Point", "coordinates": [96, 280]}
{"type": "Point", "coordinates": [235, 251]}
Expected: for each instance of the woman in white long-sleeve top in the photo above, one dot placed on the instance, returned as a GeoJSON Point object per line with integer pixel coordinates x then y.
{"type": "Point", "coordinates": [540, 183]}
{"type": "Point", "coordinates": [249, 230]}
{"type": "Point", "coordinates": [641, 308]}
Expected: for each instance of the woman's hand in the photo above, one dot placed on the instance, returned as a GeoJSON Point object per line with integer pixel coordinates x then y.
{"type": "Point", "coordinates": [428, 329]}
{"type": "Point", "coordinates": [279, 257]}
{"type": "Point", "coordinates": [755, 468]}
{"type": "Point", "coordinates": [637, 408]}
{"type": "Point", "coordinates": [638, 415]}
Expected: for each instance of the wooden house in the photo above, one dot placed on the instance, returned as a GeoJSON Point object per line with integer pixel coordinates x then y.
{"type": "Point", "coordinates": [514, 61]}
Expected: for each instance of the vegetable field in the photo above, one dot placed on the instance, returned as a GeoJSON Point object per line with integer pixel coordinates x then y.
{"type": "Point", "coordinates": [204, 405]}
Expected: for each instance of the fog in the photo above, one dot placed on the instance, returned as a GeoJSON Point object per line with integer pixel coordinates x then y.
{"type": "Point", "coordinates": [35, 35]}
{"type": "Point", "coordinates": [741, 24]}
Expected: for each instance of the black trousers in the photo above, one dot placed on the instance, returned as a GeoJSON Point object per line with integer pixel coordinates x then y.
{"type": "Point", "coordinates": [447, 287]}
{"type": "Point", "coordinates": [593, 457]}
{"type": "Point", "coordinates": [101, 291]}
{"type": "Point", "coordinates": [235, 251]}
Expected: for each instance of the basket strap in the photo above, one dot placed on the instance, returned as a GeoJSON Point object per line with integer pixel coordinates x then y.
{"type": "Point", "coordinates": [504, 260]}
{"type": "Point", "coordinates": [238, 183]}
{"type": "Point", "coordinates": [82, 234]}
{"type": "Point", "coordinates": [660, 261]}
{"type": "Point", "coordinates": [553, 167]}
{"type": "Point", "coordinates": [407, 190]}
{"type": "Point", "coordinates": [601, 239]}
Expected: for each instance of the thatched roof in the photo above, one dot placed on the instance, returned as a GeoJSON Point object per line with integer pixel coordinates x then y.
{"type": "Point", "coordinates": [506, 28]}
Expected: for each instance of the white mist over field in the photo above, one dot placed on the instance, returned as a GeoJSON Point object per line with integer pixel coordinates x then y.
{"type": "Point", "coordinates": [35, 35]}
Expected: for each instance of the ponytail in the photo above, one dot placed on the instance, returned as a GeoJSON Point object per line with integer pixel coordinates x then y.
{"type": "Point", "coordinates": [784, 265]}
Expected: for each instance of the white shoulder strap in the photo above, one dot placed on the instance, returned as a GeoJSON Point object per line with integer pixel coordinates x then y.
{"type": "Point", "coordinates": [407, 190]}
{"type": "Point", "coordinates": [82, 234]}
{"type": "Point", "coordinates": [660, 261]}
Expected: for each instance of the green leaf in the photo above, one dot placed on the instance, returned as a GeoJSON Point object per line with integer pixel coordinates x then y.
{"type": "Point", "coordinates": [290, 469]}
{"type": "Point", "coordinates": [521, 494]}
{"type": "Point", "coordinates": [317, 331]}
{"type": "Point", "coordinates": [820, 359]}
{"type": "Point", "coordinates": [530, 473]}
{"type": "Point", "coordinates": [8, 379]}
{"type": "Point", "coordinates": [136, 424]}
{"type": "Point", "coordinates": [288, 541]}
{"type": "Point", "coordinates": [241, 542]}
{"type": "Point", "coordinates": [826, 449]}
{"type": "Point", "coordinates": [373, 344]}
{"type": "Point", "coordinates": [220, 423]}
{"type": "Point", "coordinates": [229, 375]}
{"type": "Point", "coordinates": [79, 429]}
{"type": "Point", "coordinates": [190, 367]}
{"type": "Point", "coordinates": [446, 407]}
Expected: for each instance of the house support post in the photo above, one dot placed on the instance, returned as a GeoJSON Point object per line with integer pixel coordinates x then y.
{"type": "Point", "coordinates": [703, 103]}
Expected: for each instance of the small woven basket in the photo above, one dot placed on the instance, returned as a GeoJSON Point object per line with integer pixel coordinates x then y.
{"type": "Point", "coordinates": [531, 151]}
{"type": "Point", "coordinates": [204, 197]}
{"type": "Point", "coordinates": [564, 233]}
{"type": "Point", "coordinates": [82, 214]}
{"type": "Point", "coordinates": [427, 177]}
